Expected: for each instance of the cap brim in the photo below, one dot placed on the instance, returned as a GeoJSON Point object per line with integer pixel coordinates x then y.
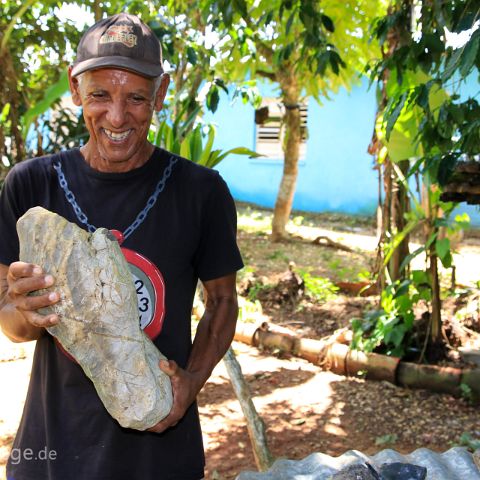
{"type": "Point", "coordinates": [137, 66]}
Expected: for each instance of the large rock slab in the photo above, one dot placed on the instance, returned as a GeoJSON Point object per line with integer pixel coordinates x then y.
{"type": "Point", "coordinates": [454, 464]}
{"type": "Point", "coordinates": [98, 316]}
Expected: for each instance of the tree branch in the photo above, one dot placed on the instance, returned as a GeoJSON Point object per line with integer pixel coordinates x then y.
{"type": "Point", "coordinates": [270, 75]}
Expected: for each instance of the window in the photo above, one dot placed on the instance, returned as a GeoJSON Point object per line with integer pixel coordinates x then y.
{"type": "Point", "coordinates": [269, 132]}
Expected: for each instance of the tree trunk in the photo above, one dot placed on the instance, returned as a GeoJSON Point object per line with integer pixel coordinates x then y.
{"type": "Point", "coordinates": [396, 202]}
{"type": "Point", "coordinates": [255, 425]}
{"type": "Point", "coordinates": [97, 10]}
{"type": "Point", "coordinates": [436, 319]}
{"type": "Point", "coordinates": [431, 212]}
{"type": "Point", "coordinates": [399, 206]}
{"type": "Point", "coordinates": [9, 93]}
{"type": "Point", "coordinates": [291, 148]}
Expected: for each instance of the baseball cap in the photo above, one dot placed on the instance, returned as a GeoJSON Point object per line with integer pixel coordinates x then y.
{"type": "Point", "coordinates": [121, 41]}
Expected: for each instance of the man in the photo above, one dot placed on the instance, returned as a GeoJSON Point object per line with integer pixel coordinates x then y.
{"type": "Point", "coordinates": [178, 224]}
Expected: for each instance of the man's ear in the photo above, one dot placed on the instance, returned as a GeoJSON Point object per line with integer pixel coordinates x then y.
{"type": "Point", "coordinates": [74, 88]}
{"type": "Point", "coordinates": [162, 91]}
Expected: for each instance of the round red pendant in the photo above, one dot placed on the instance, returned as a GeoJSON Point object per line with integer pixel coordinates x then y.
{"type": "Point", "coordinates": [150, 289]}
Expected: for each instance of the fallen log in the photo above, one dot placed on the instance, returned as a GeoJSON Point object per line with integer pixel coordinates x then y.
{"type": "Point", "coordinates": [339, 358]}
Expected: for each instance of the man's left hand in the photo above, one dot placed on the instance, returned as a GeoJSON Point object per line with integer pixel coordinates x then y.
{"type": "Point", "coordinates": [185, 387]}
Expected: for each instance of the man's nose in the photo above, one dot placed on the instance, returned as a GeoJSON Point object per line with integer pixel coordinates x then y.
{"type": "Point", "coordinates": [117, 113]}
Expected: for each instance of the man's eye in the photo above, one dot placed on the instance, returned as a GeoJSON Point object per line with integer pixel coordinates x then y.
{"type": "Point", "coordinates": [138, 98]}
{"type": "Point", "coordinates": [98, 95]}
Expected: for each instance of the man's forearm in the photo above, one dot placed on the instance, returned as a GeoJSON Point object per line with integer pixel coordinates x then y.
{"type": "Point", "coordinates": [214, 335]}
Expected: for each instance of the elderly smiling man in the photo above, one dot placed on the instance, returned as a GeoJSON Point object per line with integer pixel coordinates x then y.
{"type": "Point", "coordinates": [179, 217]}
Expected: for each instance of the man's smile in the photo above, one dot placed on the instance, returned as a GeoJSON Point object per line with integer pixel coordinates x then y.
{"type": "Point", "coordinates": [117, 136]}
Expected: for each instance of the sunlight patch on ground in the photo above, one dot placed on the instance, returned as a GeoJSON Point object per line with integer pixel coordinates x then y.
{"type": "Point", "coordinates": [466, 259]}
{"type": "Point", "coordinates": [299, 390]}
{"type": "Point", "coordinates": [15, 365]}
{"type": "Point", "coordinates": [255, 221]}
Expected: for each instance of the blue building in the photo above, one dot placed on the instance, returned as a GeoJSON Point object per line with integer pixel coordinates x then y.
{"type": "Point", "coordinates": [335, 171]}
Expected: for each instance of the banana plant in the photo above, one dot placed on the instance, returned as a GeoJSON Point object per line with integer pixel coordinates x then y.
{"type": "Point", "coordinates": [195, 144]}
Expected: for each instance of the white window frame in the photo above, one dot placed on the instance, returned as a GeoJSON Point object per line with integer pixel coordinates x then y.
{"type": "Point", "coordinates": [269, 136]}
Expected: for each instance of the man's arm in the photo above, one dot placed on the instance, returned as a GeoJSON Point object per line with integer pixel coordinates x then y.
{"type": "Point", "coordinates": [19, 320]}
{"type": "Point", "coordinates": [214, 334]}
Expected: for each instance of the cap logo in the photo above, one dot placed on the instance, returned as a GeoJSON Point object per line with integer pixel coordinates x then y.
{"type": "Point", "coordinates": [121, 34]}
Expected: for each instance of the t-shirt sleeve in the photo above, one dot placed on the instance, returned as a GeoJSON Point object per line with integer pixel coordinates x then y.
{"type": "Point", "coordinates": [10, 210]}
{"type": "Point", "coordinates": [218, 254]}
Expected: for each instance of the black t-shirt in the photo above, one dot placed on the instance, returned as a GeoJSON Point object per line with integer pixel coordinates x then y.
{"type": "Point", "coordinates": [189, 233]}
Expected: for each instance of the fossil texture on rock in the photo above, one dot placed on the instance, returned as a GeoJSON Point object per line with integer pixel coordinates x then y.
{"type": "Point", "coordinates": [98, 316]}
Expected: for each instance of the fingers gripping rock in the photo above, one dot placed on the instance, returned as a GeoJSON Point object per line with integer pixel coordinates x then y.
{"type": "Point", "coordinates": [98, 316]}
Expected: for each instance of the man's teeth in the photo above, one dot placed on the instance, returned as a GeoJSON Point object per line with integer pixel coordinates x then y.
{"type": "Point", "coordinates": [117, 136]}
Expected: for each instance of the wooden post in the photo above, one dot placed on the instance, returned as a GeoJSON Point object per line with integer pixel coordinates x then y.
{"type": "Point", "coordinates": [255, 425]}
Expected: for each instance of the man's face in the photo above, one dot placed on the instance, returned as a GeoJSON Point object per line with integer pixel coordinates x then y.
{"type": "Point", "coordinates": [117, 106]}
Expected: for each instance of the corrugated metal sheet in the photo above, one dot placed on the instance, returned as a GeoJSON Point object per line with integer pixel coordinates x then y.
{"type": "Point", "coordinates": [455, 464]}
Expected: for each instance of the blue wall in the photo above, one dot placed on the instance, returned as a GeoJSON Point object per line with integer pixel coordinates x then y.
{"type": "Point", "coordinates": [336, 174]}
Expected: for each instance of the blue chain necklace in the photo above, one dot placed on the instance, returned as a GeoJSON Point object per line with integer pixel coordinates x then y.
{"type": "Point", "coordinates": [140, 217]}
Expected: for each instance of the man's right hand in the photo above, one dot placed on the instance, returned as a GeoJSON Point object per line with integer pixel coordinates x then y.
{"type": "Point", "coordinates": [17, 282]}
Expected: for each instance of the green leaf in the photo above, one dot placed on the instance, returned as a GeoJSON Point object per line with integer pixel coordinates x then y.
{"type": "Point", "coordinates": [4, 113]}
{"type": "Point", "coordinates": [328, 23]}
{"type": "Point", "coordinates": [51, 95]}
{"type": "Point", "coordinates": [241, 7]}
{"type": "Point", "coordinates": [442, 247]}
{"type": "Point", "coordinates": [411, 256]}
{"type": "Point", "coordinates": [269, 17]}
{"type": "Point", "coordinates": [402, 289]}
{"type": "Point", "coordinates": [187, 125]}
{"type": "Point", "coordinates": [290, 20]}
{"type": "Point", "coordinates": [208, 146]}
{"type": "Point", "coordinates": [219, 82]}
{"type": "Point", "coordinates": [185, 148]}
{"type": "Point", "coordinates": [447, 260]}
{"type": "Point", "coordinates": [196, 144]}
{"type": "Point", "coordinates": [452, 64]}
{"type": "Point", "coordinates": [469, 55]}
{"type": "Point", "coordinates": [192, 55]}
{"type": "Point", "coordinates": [422, 96]}
{"type": "Point", "coordinates": [213, 98]}
{"type": "Point", "coordinates": [237, 151]}
{"type": "Point", "coordinates": [395, 113]}
{"type": "Point", "coordinates": [420, 278]}
{"type": "Point", "coordinates": [397, 334]}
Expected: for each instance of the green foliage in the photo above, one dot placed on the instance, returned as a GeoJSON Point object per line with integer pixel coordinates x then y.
{"type": "Point", "coordinates": [61, 127]}
{"type": "Point", "coordinates": [318, 288]}
{"type": "Point", "coordinates": [324, 45]}
{"type": "Point", "coordinates": [467, 394]}
{"type": "Point", "coordinates": [447, 128]}
{"type": "Point", "coordinates": [52, 94]}
{"type": "Point", "coordinates": [388, 439]}
{"type": "Point", "coordinates": [257, 288]}
{"type": "Point", "coordinates": [34, 51]}
{"type": "Point", "coordinates": [195, 145]}
{"type": "Point", "coordinates": [468, 440]}
{"type": "Point", "coordinates": [389, 328]}
{"type": "Point", "coordinates": [341, 271]}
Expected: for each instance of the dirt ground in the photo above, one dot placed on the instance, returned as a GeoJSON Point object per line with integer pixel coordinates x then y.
{"type": "Point", "coordinates": [304, 408]}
